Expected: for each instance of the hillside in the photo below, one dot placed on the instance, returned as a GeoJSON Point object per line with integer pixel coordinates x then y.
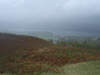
{"type": "Point", "coordinates": [26, 54]}
{"type": "Point", "coordinates": [87, 68]}
{"type": "Point", "coordinates": [10, 43]}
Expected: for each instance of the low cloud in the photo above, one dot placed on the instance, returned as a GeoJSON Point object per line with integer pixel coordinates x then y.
{"type": "Point", "coordinates": [77, 16]}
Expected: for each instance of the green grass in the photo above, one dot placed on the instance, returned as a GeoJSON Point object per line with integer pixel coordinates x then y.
{"type": "Point", "coordinates": [87, 68]}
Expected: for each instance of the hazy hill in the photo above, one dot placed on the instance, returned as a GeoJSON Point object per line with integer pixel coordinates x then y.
{"type": "Point", "coordinates": [11, 43]}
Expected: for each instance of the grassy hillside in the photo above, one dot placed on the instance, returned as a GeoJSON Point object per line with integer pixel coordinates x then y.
{"type": "Point", "coordinates": [87, 68]}
{"type": "Point", "coordinates": [26, 54]}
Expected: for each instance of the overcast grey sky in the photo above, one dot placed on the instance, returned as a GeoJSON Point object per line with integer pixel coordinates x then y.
{"type": "Point", "coordinates": [64, 16]}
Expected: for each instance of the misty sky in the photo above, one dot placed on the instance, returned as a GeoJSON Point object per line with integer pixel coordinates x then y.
{"type": "Point", "coordinates": [63, 16]}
